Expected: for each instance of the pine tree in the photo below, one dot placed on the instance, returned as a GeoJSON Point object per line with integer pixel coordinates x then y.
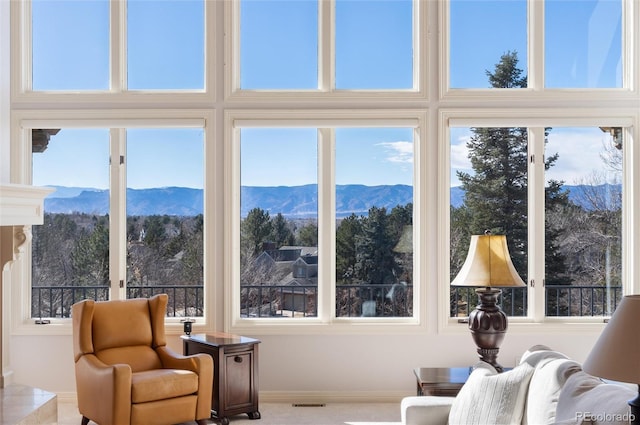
{"type": "Point", "coordinates": [376, 262]}
{"type": "Point", "coordinates": [496, 194]}
{"type": "Point", "coordinates": [281, 233]}
{"type": "Point", "coordinates": [346, 237]}
{"type": "Point", "coordinates": [254, 231]}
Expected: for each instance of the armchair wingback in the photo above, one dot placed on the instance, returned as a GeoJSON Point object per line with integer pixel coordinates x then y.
{"type": "Point", "coordinates": [126, 374]}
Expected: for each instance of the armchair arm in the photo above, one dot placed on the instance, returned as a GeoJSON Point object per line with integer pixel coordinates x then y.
{"type": "Point", "coordinates": [104, 391]}
{"type": "Point", "coordinates": [199, 363]}
{"type": "Point", "coordinates": [425, 410]}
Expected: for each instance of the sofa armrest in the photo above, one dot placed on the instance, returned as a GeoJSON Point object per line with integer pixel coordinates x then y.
{"type": "Point", "coordinates": [425, 410]}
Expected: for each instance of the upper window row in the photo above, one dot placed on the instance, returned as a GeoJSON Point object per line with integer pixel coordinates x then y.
{"type": "Point", "coordinates": [286, 45]}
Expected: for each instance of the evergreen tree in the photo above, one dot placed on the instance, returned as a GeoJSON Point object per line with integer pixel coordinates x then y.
{"type": "Point", "coordinates": [155, 233]}
{"type": "Point", "coordinates": [254, 231]}
{"type": "Point", "coordinates": [496, 194]}
{"type": "Point", "coordinates": [90, 256]}
{"type": "Point", "coordinates": [308, 235]}
{"type": "Point", "coordinates": [376, 263]}
{"type": "Point", "coordinates": [281, 233]}
{"type": "Point", "coordinates": [346, 248]}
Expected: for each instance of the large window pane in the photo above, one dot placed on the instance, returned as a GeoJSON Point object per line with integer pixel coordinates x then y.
{"type": "Point", "coordinates": [489, 192]}
{"type": "Point", "coordinates": [165, 225]}
{"type": "Point", "coordinates": [70, 252]}
{"type": "Point", "coordinates": [480, 33]}
{"type": "Point", "coordinates": [70, 45]}
{"type": "Point", "coordinates": [584, 222]}
{"type": "Point", "coordinates": [165, 48]}
{"type": "Point", "coordinates": [583, 44]}
{"type": "Point", "coordinates": [374, 44]}
{"type": "Point", "coordinates": [279, 44]}
{"type": "Point", "coordinates": [279, 223]}
{"type": "Point", "coordinates": [374, 222]}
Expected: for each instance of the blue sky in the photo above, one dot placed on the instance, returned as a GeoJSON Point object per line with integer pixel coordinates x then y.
{"type": "Point", "coordinates": [279, 44]}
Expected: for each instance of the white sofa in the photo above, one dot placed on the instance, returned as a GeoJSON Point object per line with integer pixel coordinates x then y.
{"type": "Point", "coordinates": [546, 387]}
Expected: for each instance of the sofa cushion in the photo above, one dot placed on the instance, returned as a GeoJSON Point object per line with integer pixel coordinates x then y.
{"type": "Point", "coordinates": [585, 399]}
{"type": "Point", "coordinates": [159, 384]}
{"type": "Point", "coordinates": [535, 356]}
{"type": "Point", "coordinates": [547, 381]}
{"type": "Point", "coordinates": [489, 397]}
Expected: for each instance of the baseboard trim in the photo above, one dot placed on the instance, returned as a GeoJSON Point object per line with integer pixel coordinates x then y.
{"type": "Point", "coordinates": [313, 397]}
{"type": "Point", "coordinates": [307, 397]}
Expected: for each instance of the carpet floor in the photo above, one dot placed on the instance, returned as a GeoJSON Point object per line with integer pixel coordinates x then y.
{"type": "Point", "coordinates": [287, 414]}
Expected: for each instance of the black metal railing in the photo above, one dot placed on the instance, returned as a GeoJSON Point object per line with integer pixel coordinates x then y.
{"type": "Point", "coordinates": [375, 300]}
{"type": "Point", "coordinates": [56, 301]}
{"type": "Point", "coordinates": [560, 300]}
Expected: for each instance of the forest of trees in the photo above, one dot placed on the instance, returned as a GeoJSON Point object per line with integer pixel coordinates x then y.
{"type": "Point", "coordinates": [72, 251]}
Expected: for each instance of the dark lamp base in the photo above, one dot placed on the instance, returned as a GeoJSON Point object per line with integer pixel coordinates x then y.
{"type": "Point", "coordinates": [488, 326]}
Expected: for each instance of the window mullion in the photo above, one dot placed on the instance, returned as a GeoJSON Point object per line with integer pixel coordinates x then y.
{"type": "Point", "coordinates": [326, 224]}
{"type": "Point", "coordinates": [117, 41]}
{"type": "Point", "coordinates": [326, 45]}
{"type": "Point", "coordinates": [536, 178]}
{"type": "Point", "coordinates": [535, 42]}
{"type": "Point", "coordinates": [118, 214]}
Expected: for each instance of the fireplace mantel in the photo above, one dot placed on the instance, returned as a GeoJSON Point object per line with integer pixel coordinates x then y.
{"type": "Point", "coordinates": [21, 206]}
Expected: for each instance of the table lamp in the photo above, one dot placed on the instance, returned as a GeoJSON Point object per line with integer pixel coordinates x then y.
{"type": "Point", "coordinates": [615, 354]}
{"type": "Point", "coordinates": [488, 266]}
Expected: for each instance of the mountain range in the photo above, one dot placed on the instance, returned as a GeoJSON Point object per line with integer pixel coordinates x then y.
{"type": "Point", "coordinates": [291, 201]}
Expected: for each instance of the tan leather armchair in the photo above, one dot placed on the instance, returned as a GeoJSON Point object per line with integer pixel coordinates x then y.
{"type": "Point", "coordinates": [126, 374]}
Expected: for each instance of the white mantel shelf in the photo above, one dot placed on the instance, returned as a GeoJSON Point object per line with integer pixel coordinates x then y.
{"type": "Point", "coordinates": [22, 204]}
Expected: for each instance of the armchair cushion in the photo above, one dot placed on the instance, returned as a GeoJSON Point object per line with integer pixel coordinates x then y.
{"type": "Point", "coordinates": [160, 384]}
{"type": "Point", "coordinates": [489, 397]}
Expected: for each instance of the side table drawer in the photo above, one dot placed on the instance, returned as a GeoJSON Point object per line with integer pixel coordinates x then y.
{"type": "Point", "coordinates": [239, 384]}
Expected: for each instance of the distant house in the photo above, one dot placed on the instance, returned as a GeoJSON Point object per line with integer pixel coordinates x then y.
{"type": "Point", "coordinates": [295, 268]}
{"type": "Point", "coordinates": [302, 291]}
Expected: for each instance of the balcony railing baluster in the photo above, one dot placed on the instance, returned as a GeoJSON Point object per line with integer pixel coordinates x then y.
{"type": "Point", "coordinates": [302, 300]}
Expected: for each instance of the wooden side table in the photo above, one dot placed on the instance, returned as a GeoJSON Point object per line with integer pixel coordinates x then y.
{"type": "Point", "coordinates": [440, 381]}
{"type": "Point", "coordinates": [235, 376]}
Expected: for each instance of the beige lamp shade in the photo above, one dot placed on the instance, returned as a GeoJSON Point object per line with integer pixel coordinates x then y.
{"type": "Point", "coordinates": [615, 354]}
{"type": "Point", "coordinates": [488, 264]}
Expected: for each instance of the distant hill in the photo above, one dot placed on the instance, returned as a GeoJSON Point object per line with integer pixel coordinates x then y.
{"type": "Point", "coordinates": [291, 201]}
{"type": "Point", "coordinates": [179, 201]}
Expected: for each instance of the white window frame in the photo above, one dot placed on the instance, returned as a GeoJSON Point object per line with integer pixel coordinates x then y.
{"type": "Point", "coordinates": [536, 65]}
{"type": "Point", "coordinates": [325, 122]}
{"type": "Point", "coordinates": [222, 100]}
{"type": "Point", "coordinates": [326, 91]}
{"type": "Point", "coordinates": [118, 94]}
{"type": "Point", "coordinates": [116, 122]}
{"type": "Point", "coordinates": [536, 120]}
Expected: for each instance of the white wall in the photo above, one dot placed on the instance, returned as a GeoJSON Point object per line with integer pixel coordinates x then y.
{"type": "Point", "coordinates": [313, 367]}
